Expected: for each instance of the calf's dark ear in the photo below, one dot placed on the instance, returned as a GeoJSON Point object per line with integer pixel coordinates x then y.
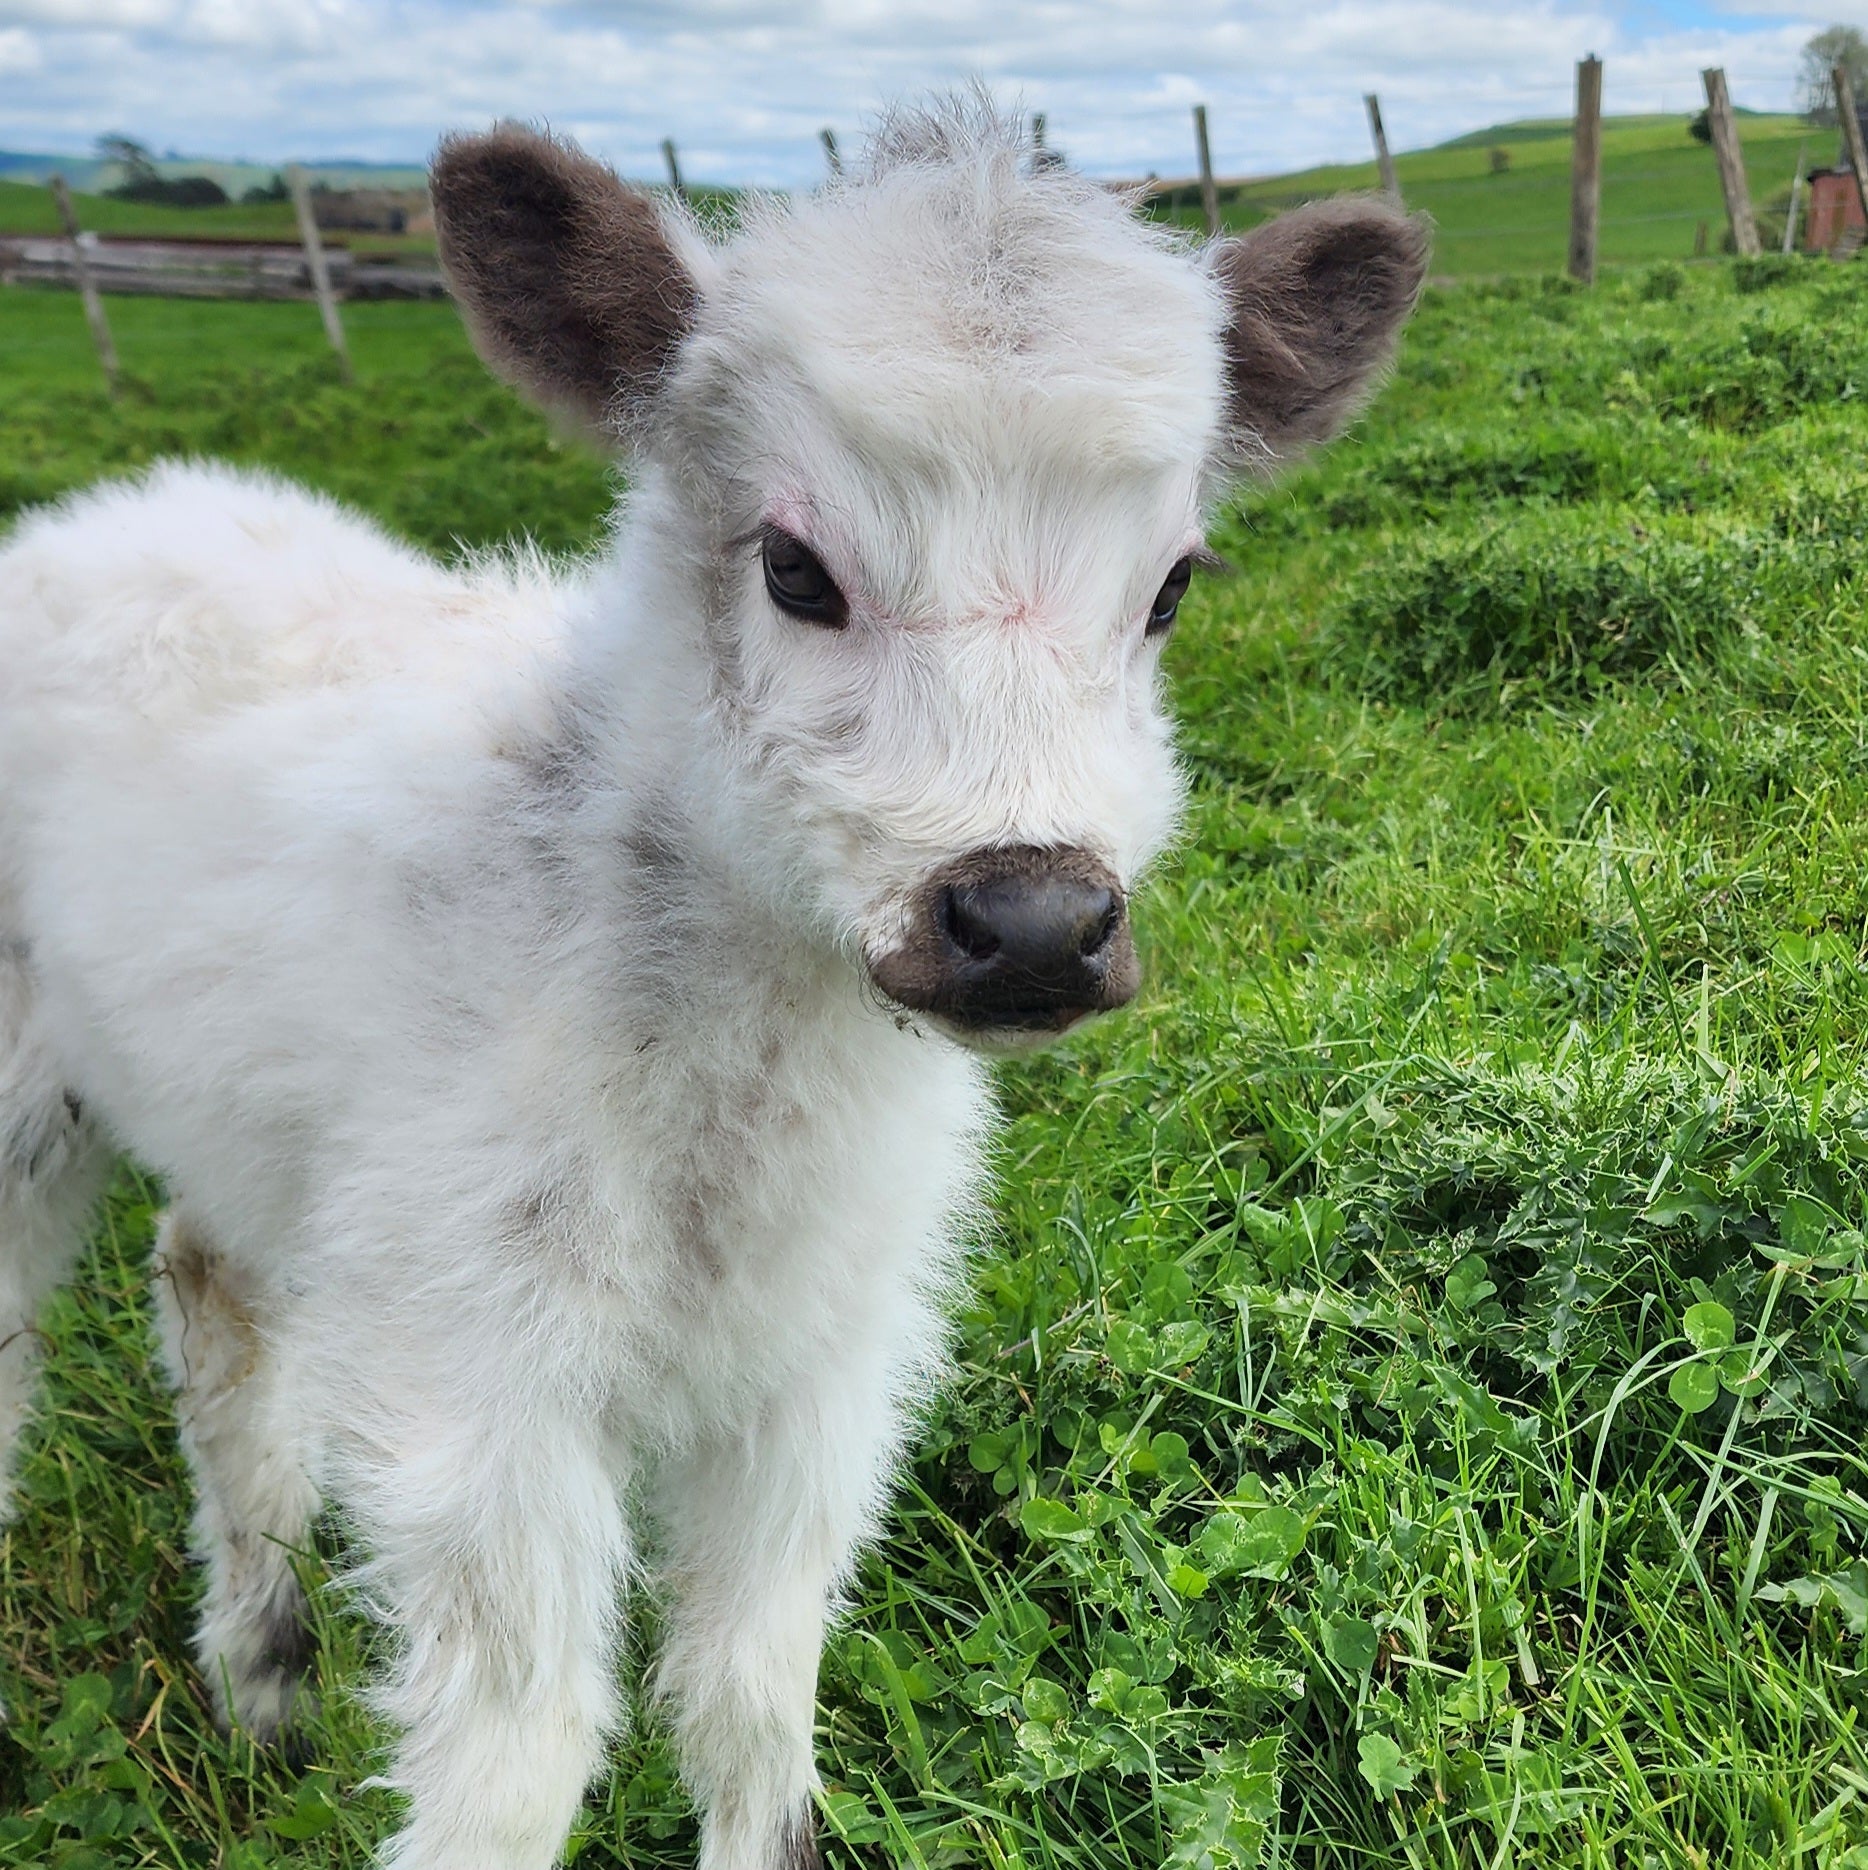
{"type": "Point", "coordinates": [567, 280]}
{"type": "Point", "coordinates": [1318, 298]}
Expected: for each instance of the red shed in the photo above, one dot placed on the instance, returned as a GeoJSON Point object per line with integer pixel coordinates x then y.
{"type": "Point", "coordinates": [1835, 210]}
{"type": "Point", "coordinates": [1835, 207]}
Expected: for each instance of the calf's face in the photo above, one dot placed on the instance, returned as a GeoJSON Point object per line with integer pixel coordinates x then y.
{"type": "Point", "coordinates": [943, 591]}
{"type": "Point", "coordinates": [939, 444]}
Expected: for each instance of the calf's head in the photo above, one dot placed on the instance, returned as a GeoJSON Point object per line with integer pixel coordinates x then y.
{"type": "Point", "coordinates": [927, 458]}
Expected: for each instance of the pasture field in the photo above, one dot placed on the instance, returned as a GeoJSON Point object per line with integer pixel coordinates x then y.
{"type": "Point", "coordinates": [28, 208]}
{"type": "Point", "coordinates": [1657, 186]}
{"type": "Point", "coordinates": [1413, 1406]}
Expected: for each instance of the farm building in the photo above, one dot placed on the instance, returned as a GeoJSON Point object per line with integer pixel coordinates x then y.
{"type": "Point", "coordinates": [1835, 211]}
{"type": "Point", "coordinates": [373, 210]}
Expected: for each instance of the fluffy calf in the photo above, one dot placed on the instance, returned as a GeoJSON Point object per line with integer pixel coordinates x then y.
{"type": "Point", "coordinates": [556, 1000]}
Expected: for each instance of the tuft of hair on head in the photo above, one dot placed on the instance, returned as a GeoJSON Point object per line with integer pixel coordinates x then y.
{"type": "Point", "coordinates": [1316, 301]}
{"type": "Point", "coordinates": [949, 129]}
{"type": "Point", "coordinates": [568, 279]}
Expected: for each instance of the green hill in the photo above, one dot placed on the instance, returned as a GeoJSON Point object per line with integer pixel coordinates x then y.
{"type": "Point", "coordinates": [1658, 184]}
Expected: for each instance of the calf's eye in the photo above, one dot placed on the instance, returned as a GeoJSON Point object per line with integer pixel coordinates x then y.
{"type": "Point", "coordinates": [797, 582]}
{"type": "Point", "coordinates": [1167, 599]}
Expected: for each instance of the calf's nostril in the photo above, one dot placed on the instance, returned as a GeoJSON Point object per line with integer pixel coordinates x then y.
{"type": "Point", "coordinates": [1033, 926]}
{"type": "Point", "coordinates": [1100, 924]}
{"type": "Point", "coordinates": [965, 921]}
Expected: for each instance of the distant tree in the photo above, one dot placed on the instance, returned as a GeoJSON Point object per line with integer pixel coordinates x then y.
{"type": "Point", "coordinates": [1700, 129]}
{"type": "Point", "coordinates": [182, 191]}
{"type": "Point", "coordinates": [1835, 45]}
{"type": "Point", "coordinates": [142, 181]}
{"type": "Point", "coordinates": [192, 191]}
{"type": "Point", "coordinates": [132, 157]}
{"type": "Point", "coordinates": [1500, 159]}
{"type": "Point", "coordinates": [275, 190]}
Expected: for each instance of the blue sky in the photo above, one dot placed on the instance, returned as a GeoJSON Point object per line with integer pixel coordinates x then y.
{"type": "Point", "coordinates": [743, 86]}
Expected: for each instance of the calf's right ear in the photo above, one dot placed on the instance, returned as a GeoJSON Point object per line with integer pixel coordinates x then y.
{"type": "Point", "coordinates": [566, 276]}
{"type": "Point", "coordinates": [1317, 298]}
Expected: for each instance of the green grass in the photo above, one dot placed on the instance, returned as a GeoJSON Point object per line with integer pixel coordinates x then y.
{"type": "Point", "coordinates": [28, 208]}
{"type": "Point", "coordinates": [425, 437]}
{"type": "Point", "coordinates": [1657, 186]}
{"type": "Point", "coordinates": [1413, 1407]}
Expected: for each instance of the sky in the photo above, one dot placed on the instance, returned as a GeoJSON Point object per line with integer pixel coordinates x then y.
{"type": "Point", "coordinates": [744, 86]}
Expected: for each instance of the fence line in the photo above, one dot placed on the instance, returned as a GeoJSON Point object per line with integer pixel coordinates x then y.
{"type": "Point", "coordinates": [1586, 171]}
{"type": "Point", "coordinates": [1384, 163]}
{"type": "Point", "coordinates": [255, 269]}
{"type": "Point", "coordinates": [1852, 132]}
{"type": "Point", "coordinates": [1732, 178]}
{"type": "Point", "coordinates": [1209, 194]}
{"type": "Point", "coordinates": [316, 266]}
{"type": "Point", "coordinates": [213, 269]}
{"type": "Point", "coordinates": [87, 284]}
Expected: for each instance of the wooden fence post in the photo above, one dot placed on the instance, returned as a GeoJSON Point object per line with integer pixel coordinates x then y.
{"type": "Point", "coordinates": [828, 138]}
{"type": "Point", "coordinates": [320, 273]}
{"type": "Point", "coordinates": [674, 168]}
{"type": "Point", "coordinates": [1731, 163]}
{"type": "Point", "coordinates": [1586, 171]}
{"type": "Point", "coordinates": [1384, 163]}
{"type": "Point", "coordinates": [1043, 157]}
{"type": "Point", "coordinates": [1796, 190]}
{"type": "Point", "coordinates": [87, 286]}
{"type": "Point", "coordinates": [1209, 194]}
{"type": "Point", "coordinates": [1852, 132]}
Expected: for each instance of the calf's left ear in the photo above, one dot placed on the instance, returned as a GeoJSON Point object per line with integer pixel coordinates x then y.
{"type": "Point", "coordinates": [566, 276]}
{"type": "Point", "coordinates": [1318, 298]}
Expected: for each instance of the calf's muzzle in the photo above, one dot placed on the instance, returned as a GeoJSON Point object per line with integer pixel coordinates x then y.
{"type": "Point", "coordinates": [1017, 939]}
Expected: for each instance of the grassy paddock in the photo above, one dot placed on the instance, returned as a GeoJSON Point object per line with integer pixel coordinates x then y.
{"type": "Point", "coordinates": [1657, 186]}
{"type": "Point", "coordinates": [28, 208]}
{"type": "Point", "coordinates": [1413, 1406]}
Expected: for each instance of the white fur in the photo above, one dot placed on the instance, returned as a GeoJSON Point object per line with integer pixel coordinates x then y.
{"type": "Point", "coordinates": [480, 954]}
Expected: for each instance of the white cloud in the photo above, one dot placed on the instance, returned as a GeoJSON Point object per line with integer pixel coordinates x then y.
{"type": "Point", "coordinates": [743, 86]}
{"type": "Point", "coordinates": [85, 15]}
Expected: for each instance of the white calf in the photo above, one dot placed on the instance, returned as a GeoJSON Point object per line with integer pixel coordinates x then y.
{"type": "Point", "coordinates": [557, 1001]}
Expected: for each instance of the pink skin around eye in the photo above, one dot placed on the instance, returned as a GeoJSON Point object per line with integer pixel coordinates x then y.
{"type": "Point", "coordinates": [793, 513]}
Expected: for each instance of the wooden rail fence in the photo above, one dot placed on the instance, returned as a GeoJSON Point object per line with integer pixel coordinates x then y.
{"type": "Point", "coordinates": [214, 269]}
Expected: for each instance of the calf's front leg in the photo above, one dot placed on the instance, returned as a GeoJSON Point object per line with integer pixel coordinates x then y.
{"type": "Point", "coordinates": [498, 1545]}
{"type": "Point", "coordinates": [758, 1534]}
